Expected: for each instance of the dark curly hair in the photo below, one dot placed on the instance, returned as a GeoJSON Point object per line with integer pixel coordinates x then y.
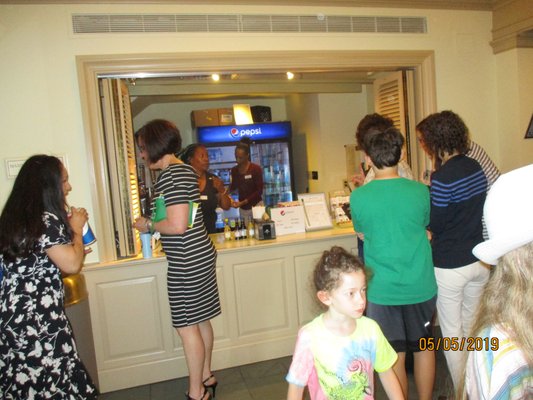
{"type": "Point", "coordinates": [370, 122]}
{"type": "Point", "coordinates": [332, 264]}
{"type": "Point", "coordinates": [443, 132]}
{"type": "Point", "coordinates": [188, 153]}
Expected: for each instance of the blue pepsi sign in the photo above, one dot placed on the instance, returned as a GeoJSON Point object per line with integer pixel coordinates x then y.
{"type": "Point", "coordinates": [234, 133]}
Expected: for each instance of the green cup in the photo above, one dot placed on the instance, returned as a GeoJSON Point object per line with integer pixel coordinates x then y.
{"type": "Point", "coordinates": [160, 209]}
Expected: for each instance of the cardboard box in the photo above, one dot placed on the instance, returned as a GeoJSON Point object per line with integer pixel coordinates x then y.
{"type": "Point", "coordinates": [225, 116]}
{"type": "Point", "coordinates": [204, 117]}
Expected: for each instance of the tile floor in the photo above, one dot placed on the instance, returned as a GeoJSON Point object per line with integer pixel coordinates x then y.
{"type": "Point", "coordinates": [259, 381]}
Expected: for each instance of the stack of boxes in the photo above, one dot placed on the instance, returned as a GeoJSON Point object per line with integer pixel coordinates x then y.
{"type": "Point", "coordinates": [212, 117]}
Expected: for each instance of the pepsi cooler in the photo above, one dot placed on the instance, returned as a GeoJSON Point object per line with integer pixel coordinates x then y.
{"type": "Point", "coordinates": [271, 149]}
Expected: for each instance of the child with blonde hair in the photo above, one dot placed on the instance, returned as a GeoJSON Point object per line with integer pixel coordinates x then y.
{"type": "Point", "coordinates": [336, 353]}
{"type": "Point", "coordinates": [500, 363]}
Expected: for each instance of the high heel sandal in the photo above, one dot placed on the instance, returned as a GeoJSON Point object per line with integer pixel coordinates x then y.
{"type": "Point", "coordinates": [206, 392]}
{"type": "Point", "coordinates": [213, 386]}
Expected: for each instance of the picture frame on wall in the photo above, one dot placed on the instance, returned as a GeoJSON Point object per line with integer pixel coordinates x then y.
{"type": "Point", "coordinates": [529, 131]}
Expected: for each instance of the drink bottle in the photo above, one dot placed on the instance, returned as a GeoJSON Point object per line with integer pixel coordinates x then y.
{"type": "Point", "coordinates": [232, 227]}
{"type": "Point", "coordinates": [219, 223]}
{"type": "Point", "coordinates": [251, 228]}
{"type": "Point", "coordinates": [244, 233]}
{"type": "Point", "coordinates": [237, 230]}
{"type": "Point", "coordinates": [227, 230]}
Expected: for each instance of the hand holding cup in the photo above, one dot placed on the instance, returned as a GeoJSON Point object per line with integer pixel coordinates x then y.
{"type": "Point", "coordinates": [78, 218]}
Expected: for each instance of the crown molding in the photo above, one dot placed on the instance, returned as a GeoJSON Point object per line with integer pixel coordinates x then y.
{"type": "Point", "coordinates": [486, 5]}
{"type": "Point", "coordinates": [512, 25]}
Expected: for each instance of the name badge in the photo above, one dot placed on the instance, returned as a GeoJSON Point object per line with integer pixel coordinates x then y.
{"type": "Point", "coordinates": [203, 197]}
{"type": "Point", "coordinates": [247, 176]}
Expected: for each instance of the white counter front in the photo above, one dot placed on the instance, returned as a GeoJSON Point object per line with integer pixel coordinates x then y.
{"type": "Point", "coordinates": [265, 291]}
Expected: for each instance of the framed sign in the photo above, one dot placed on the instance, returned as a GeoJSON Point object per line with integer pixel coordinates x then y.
{"type": "Point", "coordinates": [288, 219]}
{"type": "Point", "coordinates": [529, 131]}
{"type": "Point", "coordinates": [316, 211]}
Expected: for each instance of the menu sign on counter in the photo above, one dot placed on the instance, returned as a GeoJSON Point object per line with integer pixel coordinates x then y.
{"type": "Point", "coordinates": [316, 211]}
{"type": "Point", "coordinates": [288, 219]}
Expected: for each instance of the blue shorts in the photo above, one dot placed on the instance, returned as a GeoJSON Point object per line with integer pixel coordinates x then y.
{"type": "Point", "coordinates": [404, 325]}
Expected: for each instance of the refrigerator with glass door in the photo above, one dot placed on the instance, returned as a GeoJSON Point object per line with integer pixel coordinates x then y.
{"type": "Point", "coordinates": [270, 148]}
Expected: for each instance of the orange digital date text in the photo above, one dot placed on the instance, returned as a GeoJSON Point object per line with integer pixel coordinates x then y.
{"type": "Point", "coordinates": [453, 343]}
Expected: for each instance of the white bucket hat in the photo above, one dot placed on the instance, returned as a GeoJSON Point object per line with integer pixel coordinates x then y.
{"type": "Point", "coordinates": [508, 213]}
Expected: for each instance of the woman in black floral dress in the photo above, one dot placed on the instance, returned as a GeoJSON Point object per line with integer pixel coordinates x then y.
{"type": "Point", "coordinates": [39, 241]}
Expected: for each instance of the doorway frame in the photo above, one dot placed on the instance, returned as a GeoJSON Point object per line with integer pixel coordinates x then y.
{"type": "Point", "coordinates": [93, 67]}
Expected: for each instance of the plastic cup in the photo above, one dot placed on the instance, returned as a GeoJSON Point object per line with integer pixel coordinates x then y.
{"type": "Point", "coordinates": [88, 235]}
{"type": "Point", "coordinates": [146, 241]}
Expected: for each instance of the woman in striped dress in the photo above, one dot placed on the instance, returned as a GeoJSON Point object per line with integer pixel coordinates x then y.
{"type": "Point", "coordinates": [191, 276]}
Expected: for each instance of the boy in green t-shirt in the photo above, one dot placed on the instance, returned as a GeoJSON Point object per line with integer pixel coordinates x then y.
{"type": "Point", "coordinates": [392, 213]}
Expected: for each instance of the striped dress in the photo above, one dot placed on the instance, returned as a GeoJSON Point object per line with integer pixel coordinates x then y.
{"type": "Point", "coordinates": [191, 275]}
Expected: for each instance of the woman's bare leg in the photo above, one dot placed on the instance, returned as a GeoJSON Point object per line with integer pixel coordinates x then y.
{"type": "Point", "coordinates": [193, 346]}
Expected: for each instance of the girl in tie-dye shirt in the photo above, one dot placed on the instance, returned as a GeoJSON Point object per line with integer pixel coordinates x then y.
{"type": "Point", "coordinates": [336, 353]}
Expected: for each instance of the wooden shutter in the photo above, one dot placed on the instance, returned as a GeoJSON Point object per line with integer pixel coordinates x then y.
{"type": "Point", "coordinates": [394, 98]}
{"type": "Point", "coordinates": [120, 147]}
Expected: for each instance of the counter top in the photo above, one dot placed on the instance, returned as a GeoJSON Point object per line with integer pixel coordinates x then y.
{"type": "Point", "coordinates": [224, 246]}
{"type": "Point", "coordinates": [231, 246]}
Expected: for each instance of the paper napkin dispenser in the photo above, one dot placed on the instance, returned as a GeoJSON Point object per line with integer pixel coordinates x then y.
{"type": "Point", "coordinates": [265, 230]}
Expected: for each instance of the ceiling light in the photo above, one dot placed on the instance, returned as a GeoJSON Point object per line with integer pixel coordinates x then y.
{"type": "Point", "coordinates": [290, 75]}
{"type": "Point", "coordinates": [215, 77]}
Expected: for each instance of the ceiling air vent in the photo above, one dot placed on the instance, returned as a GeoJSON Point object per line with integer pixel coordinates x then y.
{"type": "Point", "coordinates": [145, 23]}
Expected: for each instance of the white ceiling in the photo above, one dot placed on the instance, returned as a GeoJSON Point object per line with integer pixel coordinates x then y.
{"type": "Point", "coordinates": [274, 84]}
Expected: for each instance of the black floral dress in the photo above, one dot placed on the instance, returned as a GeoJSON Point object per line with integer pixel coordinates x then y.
{"type": "Point", "coordinates": [38, 357]}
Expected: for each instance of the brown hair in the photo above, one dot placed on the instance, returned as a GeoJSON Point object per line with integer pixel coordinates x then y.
{"type": "Point", "coordinates": [332, 264]}
{"type": "Point", "coordinates": [160, 137]}
{"type": "Point", "coordinates": [369, 122]}
{"type": "Point", "coordinates": [444, 132]}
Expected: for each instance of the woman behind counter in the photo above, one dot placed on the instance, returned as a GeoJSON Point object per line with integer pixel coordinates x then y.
{"type": "Point", "coordinates": [247, 179]}
{"type": "Point", "coordinates": [191, 256]}
{"type": "Point", "coordinates": [38, 242]}
{"type": "Point", "coordinates": [213, 194]}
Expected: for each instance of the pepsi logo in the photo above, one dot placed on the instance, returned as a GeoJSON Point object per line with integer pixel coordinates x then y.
{"type": "Point", "coordinates": [234, 132]}
{"type": "Point", "coordinates": [282, 212]}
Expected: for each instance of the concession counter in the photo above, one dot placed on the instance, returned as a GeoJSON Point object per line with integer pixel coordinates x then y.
{"type": "Point", "coordinates": [266, 295]}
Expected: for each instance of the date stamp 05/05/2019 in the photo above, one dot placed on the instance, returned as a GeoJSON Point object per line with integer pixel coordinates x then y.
{"type": "Point", "coordinates": [475, 343]}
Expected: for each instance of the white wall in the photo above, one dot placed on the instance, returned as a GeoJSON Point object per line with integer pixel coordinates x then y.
{"type": "Point", "coordinates": [40, 106]}
{"type": "Point", "coordinates": [339, 116]}
{"type": "Point", "coordinates": [303, 110]}
{"type": "Point", "coordinates": [515, 107]}
{"type": "Point", "coordinates": [322, 125]}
